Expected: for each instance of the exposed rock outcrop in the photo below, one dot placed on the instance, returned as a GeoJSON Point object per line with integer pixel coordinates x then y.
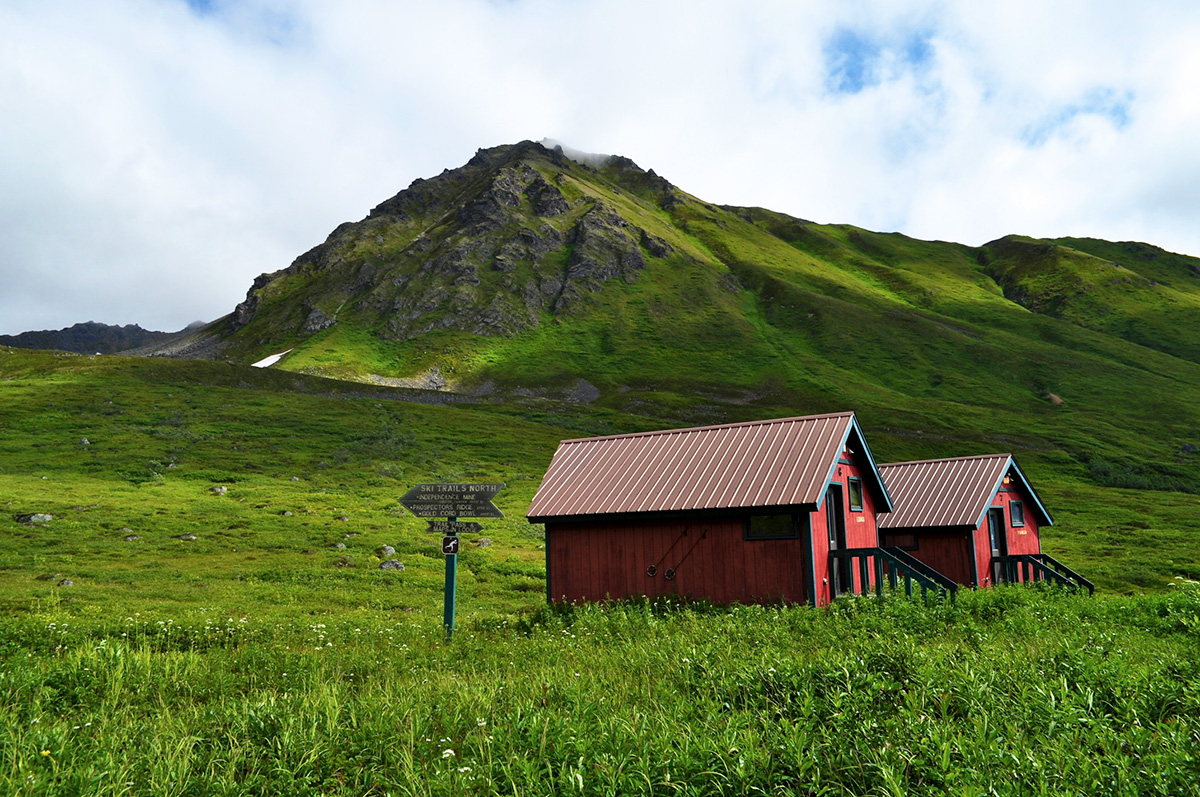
{"type": "Point", "coordinates": [243, 314]}
{"type": "Point", "coordinates": [316, 321]}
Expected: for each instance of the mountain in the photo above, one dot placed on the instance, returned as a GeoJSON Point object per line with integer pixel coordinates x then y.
{"type": "Point", "coordinates": [528, 275]}
{"type": "Point", "coordinates": [88, 338]}
{"type": "Point", "coordinates": [580, 294]}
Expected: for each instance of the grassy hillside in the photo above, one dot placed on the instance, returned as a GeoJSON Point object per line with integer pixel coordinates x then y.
{"type": "Point", "coordinates": [302, 473]}
{"type": "Point", "coordinates": [527, 274]}
{"type": "Point", "coordinates": [308, 461]}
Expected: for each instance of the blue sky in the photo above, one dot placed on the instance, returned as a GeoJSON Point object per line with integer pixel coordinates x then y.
{"type": "Point", "coordinates": [857, 59]}
{"type": "Point", "coordinates": [159, 154]}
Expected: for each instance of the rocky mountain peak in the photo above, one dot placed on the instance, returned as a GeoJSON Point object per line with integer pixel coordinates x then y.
{"type": "Point", "coordinates": [487, 248]}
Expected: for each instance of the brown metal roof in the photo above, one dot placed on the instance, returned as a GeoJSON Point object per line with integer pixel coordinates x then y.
{"type": "Point", "coordinates": [942, 492]}
{"type": "Point", "coordinates": [781, 462]}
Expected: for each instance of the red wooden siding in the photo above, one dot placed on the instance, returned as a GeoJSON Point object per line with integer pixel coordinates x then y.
{"type": "Point", "coordinates": [861, 529]}
{"type": "Point", "coordinates": [1026, 539]}
{"type": "Point", "coordinates": [597, 560]}
{"type": "Point", "coordinates": [616, 506]}
{"type": "Point", "coordinates": [945, 550]}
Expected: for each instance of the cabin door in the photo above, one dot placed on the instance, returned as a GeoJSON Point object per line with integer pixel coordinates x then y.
{"type": "Point", "coordinates": [835, 522]}
{"type": "Point", "coordinates": [999, 541]}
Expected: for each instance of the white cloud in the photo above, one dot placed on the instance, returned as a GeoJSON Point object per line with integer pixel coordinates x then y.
{"type": "Point", "coordinates": [157, 157]}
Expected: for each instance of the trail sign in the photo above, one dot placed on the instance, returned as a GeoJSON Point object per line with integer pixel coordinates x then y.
{"type": "Point", "coordinates": [452, 500]}
{"type": "Point", "coordinates": [454, 527]}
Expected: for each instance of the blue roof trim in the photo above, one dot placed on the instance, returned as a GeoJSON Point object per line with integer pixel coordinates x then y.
{"type": "Point", "coordinates": [1043, 514]}
{"type": "Point", "coordinates": [880, 488]}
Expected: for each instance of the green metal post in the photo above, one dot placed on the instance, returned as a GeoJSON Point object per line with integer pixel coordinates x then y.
{"type": "Point", "coordinates": [451, 573]}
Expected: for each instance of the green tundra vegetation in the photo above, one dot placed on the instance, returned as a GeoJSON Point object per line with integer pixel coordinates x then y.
{"type": "Point", "coordinates": [1007, 691]}
{"type": "Point", "coordinates": [205, 611]}
{"type": "Point", "coordinates": [259, 658]}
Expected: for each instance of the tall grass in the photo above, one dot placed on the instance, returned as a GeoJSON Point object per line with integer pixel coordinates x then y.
{"type": "Point", "coordinates": [1008, 691]}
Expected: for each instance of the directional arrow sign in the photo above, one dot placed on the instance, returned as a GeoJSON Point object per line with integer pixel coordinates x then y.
{"type": "Point", "coordinates": [454, 527]}
{"type": "Point", "coordinates": [452, 500]}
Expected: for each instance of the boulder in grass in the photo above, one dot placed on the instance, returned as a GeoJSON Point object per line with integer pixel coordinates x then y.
{"type": "Point", "coordinates": [188, 537]}
{"type": "Point", "coordinates": [341, 546]}
{"type": "Point", "coordinates": [220, 489]}
{"type": "Point", "coordinates": [483, 542]}
{"type": "Point", "coordinates": [132, 538]}
{"type": "Point", "coordinates": [66, 582]}
{"type": "Point", "coordinates": [34, 517]}
{"type": "Point", "coordinates": [391, 564]}
{"type": "Point", "coordinates": [386, 551]}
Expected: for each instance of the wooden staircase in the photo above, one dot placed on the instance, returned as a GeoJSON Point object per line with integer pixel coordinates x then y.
{"type": "Point", "coordinates": [1029, 568]}
{"type": "Point", "coordinates": [892, 563]}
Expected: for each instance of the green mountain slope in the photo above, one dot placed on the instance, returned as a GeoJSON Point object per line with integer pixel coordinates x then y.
{"type": "Point", "coordinates": [526, 273]}
{"type": "Point", "coordinates": [1133, 291]}
{"type": "Point", "coordinates": [546, 287]}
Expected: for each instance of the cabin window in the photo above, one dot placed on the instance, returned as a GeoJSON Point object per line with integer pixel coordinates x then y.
{"type": "Point", "coordinates": [772, 527]}
{"type": "Point", "coordinates": [855, 489]}
{"type": "Point", "coordinates": [1016, 511]}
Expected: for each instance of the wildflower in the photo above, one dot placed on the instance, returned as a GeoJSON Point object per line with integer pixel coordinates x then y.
{"type": "Point", "coordinates": [480, 721]}
{"type": "Point", "coordinates": [45, 752]}
{"type": "Point", "coordinates": [447, 753]}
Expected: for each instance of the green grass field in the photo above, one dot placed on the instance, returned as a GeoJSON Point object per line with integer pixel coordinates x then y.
{"type": "Point", "coordinates": [260, 659]}
{"type": "Point", "coordinates": [1008, 691]}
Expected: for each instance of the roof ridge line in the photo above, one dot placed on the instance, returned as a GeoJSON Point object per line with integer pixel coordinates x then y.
{"type": "Point", "coordinates": [944, 459]}
{"type": "Point", "coordinates": [765, 422]}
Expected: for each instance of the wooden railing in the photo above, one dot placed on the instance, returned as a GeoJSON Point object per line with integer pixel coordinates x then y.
{"type": "Point", "coordinates": [1031, 567]}
{"type": "Point", "coordinates": [891, 563]}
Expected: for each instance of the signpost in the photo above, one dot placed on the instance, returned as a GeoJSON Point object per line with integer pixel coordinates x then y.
{"type": "Point", "coordinates": [452, 501]}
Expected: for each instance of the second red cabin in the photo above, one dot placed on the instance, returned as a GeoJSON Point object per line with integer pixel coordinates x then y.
{"type": "Point", "coordinates": [977, 520]}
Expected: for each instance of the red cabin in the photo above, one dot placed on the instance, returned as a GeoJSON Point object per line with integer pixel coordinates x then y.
{"type": "Point", "coordinates": [776, 510]}
{"type": "Point", "coordinates": [976, 520]}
